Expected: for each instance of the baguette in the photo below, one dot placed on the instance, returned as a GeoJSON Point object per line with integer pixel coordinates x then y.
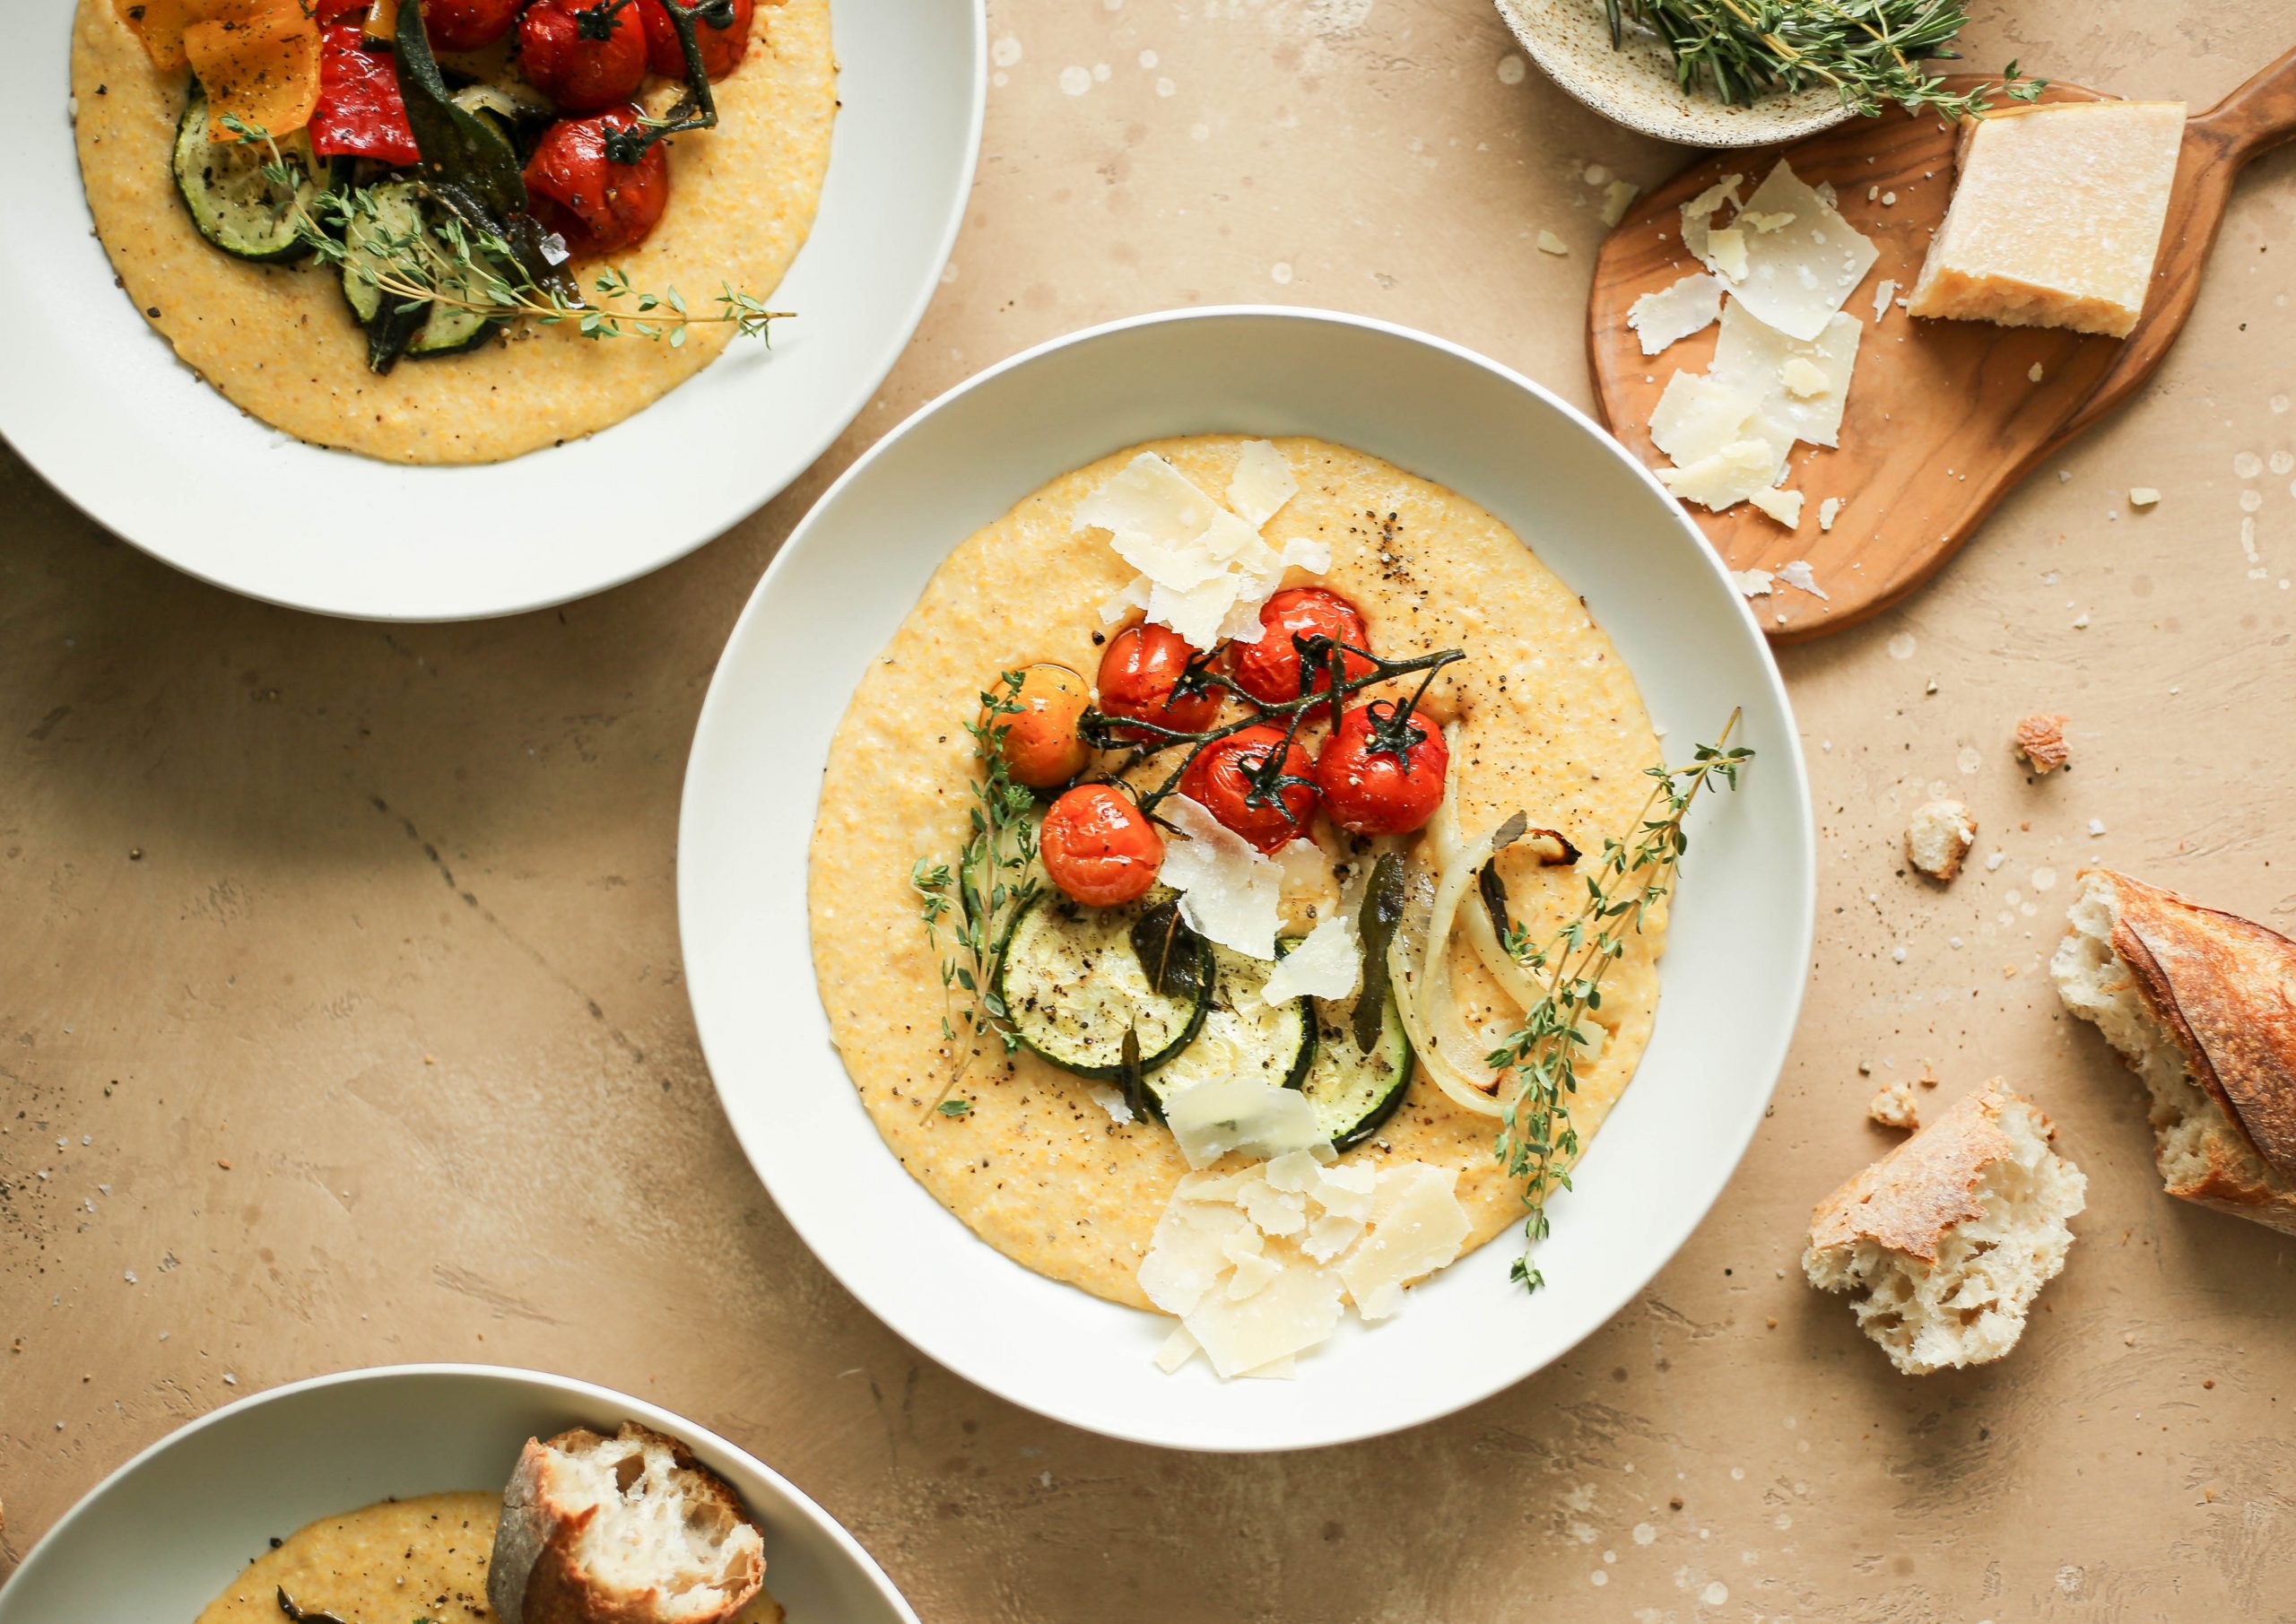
{"type": "Point", "coordinates": [624, 1529]}
{"type": "Point", "coordinates": [2202, 1006]}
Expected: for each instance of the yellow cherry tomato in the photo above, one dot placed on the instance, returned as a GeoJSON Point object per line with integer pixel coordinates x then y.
{"type": "Point", "coordinates": [1040, 742]}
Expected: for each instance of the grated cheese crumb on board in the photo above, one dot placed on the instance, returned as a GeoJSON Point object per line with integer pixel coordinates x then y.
{"type": "Point", "coordinates": [1829, 510]}
{"type": "Point", "coordinates": [2056, 216]}
{"type": "Point", "coordinates": [1251, 1296]}
{"type": "Point", "coordinates": [1204, 570]}
{"type": "Point", "coordinates": [1753, 582]}
{"type": "Point", "coordinates": [1799, 574]}
{"type": "Point", "coordinates": [1549, 243]}
{"type": "Point", "coordinates": [1327, 965]}
{"type": "Point", "coordinates": [1784, 506]}
{"type": "Point", "coordinates": [2143, 496]}
{"type": "Point", "coordinates": [1673, 313]}
{"type": "Point", "coordinates": [1881, 297]}
{"type": "Point", "coordinates": [1230, 892]}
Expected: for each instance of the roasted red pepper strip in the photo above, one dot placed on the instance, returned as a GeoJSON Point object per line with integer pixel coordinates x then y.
{"type": "Point", "coordinates": [360, 110]}
{"type": "Point", "coordinates": [326, 14]}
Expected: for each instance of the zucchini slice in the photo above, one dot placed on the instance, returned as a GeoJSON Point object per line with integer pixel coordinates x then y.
{"type": "Point", "coordinates": [1243, 1035]}
{"type": "Point", "coordinates": [230, 201]}
{"type": "Point", "coordinates": [1354, 1093]}
{"type": "Point", "coordinates": [429, 329]}
{"type": "Point", "coordinates": [1072, 986]}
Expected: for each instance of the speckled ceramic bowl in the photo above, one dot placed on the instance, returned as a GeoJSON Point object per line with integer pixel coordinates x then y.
{"type": "Point", "coordinates": [1634, 83]}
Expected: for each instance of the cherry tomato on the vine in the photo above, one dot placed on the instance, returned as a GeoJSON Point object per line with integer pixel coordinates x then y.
{"type": "Point", "coordinates": [1269, 669]}
{"type": "Point", "coordinates": [583, 55]}
{"type": "Point", "coordinates": [467, 25]}
{"type": "Point", "coordinates": [1040, 741]}
{"type": "Point", "coordinates": [1139, 671]}
{"type": "Point", "coordinates": [595, 203]}
{"type": "Point", "coordinates": [722, 44]}
{"type": "Point", "coordinates": [1221, 779]}
{"type": "Point", "coordinates": [1381, 775]}
{"type": "Point", "coordinates": [1099, 847]}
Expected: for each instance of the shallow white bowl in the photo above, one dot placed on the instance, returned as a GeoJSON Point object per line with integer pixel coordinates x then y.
{"type": "Point", "coordinates": [1737, 956]}
{"type": "Point", "coordinates": [98, 402]}
{"type": "Point", "coordinates": [159, 1538]}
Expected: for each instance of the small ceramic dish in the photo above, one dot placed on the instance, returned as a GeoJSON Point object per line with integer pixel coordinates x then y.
{"type": "Point", "coordinates": [162, 1536]}
{"type": "Point", "coordinates": [1633, 82]}
{"type": "Point", "coordinates": [1738, 944]}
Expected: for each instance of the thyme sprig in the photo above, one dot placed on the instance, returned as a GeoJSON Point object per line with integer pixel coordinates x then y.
{"type": "Point", "coordinates": [1320, 657]}
{"type": "Point", "coordinates": [446, 262]}
{"type": "Point", "coordinates": [1536, 1139]}
{"type": "Point", "coordinates": [972, 903]}
{"type": "Point", "coordinates": [1869, 51]}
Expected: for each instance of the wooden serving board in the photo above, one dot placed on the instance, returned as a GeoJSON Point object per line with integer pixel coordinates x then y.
{"type": "Point", "coordinates": [1943, 416]}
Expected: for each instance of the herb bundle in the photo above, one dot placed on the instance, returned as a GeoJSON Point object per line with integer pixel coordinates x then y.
{"type": "Point", "coordinates": [1869, 51]}
{"type": "Point", "coordinates": [1536, 1139]}
{"type": "Point", "coordinates": [973, 904]}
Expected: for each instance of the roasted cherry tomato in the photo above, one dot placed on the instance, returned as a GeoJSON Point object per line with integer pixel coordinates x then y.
{"type": "Point", "coordinates": [1381, 774]}
{"type": "Point", "coordinates": [722, 30]}
{"type": "Point", "coordinates": [1099, 847]}
{"type": "Point", "coordinates": [1269, 669]}
{"type": "Point", "coordinates": [583, 55]}
{"type": "Point", "coordinates": [1041, 744]}
{"type": "Point", "coordinates": [595, 203]}
{"type": "Point", "coordinates": [467, 25]}
{"type": "Point", "coordinates": [1138, 672]}
{"type": "Point", "coordinates": [360, 110]}
{"type": "Point", "coordinates": [1220, 780]}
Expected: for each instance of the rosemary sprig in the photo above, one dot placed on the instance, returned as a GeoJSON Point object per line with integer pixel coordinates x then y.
{"type": "Point", "coordinates": [973, 904]}
{"type": "Point", "coordinates": [1870, 51]}
{"type": "Point", "coordinates": [1536, 1139]}
{"type": "Point", "coordinates": [448, 262]}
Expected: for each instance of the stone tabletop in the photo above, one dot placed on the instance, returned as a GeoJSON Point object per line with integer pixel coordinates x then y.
{"type": "Point", "coordinates": [342, 1021]}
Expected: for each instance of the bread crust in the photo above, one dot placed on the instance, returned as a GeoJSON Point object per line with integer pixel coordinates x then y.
{"type": "Point", "coordinates": [533, 1577]}
{"type": "Point", "coordinates": [2225, 989]}
{"type": "Point", "coordinates": [1911, 1199]}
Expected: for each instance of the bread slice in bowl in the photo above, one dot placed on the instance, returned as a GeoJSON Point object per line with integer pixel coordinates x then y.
{"type": "Point", "coordinates": [2202, 1005]}
{"type": "Point", "coordinates": [1944, 1242]}
{"type": "Point", "coordinates": [624, 1529]}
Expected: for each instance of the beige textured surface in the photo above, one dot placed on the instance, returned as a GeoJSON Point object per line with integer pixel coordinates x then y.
{"type": "Point", "coordinates": [400, 947]}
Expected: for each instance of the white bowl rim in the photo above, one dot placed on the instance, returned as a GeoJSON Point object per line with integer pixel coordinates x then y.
{"type": "Point", "coordinates": [1772, 1051]}
{"type": "Point", "coordinates": [87, 499]}
{"type": "Point", "coordinates": [655, 1415]}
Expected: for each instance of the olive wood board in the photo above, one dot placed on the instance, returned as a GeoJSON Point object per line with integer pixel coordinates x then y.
{"type": "Point", "coordinates": [1943, 417]}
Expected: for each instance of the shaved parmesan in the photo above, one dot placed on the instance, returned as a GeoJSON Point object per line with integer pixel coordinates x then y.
{"type": "Point", "coordinates": [1725, 251]}
{"type": "Point", "coordinates": [1417, 1227]}
{"type": "Point", "coordinates": [1110, 1100]}
{"type": "Point", "coordinates": [1828, 511]}
{"type": "Point", "coordinates": [1697, 214]}
{"type": "Point", "coordinates": [1549, 243]}
{"type": "Point", "coordinates": [1753, 582]}
{"type": "Point", "coordinates": [1296, 1309]}
{"type": "Point", "coordinates": [1700, 414]}
{"type": "Point", "coordinates": [1784, 506]}
{"type": "Point", "coordinates": [1752, 354]}
{"type": "Point", "coordinates": [1275, 1212]}
{"type": "Point", "coordinates": [1185, 1258]}
{"type": "Point", "coordinates": [1731, 474]}
{"type": "Point", "coordinates": [1285, 1369]}
{"type": "Point", "coordinates": [1294, 1170]}
{"type": "Point", "coordinates": [1327, 965]}
{"type": "Point", "coordinates": [1228, 1113]}
{"type": "Point", "coordinates": [1177, 1349]}
{"type": "Point", "coordinates": [1799, 275]}
{"type": "Point", "coordinates": [1204, 572]}
{"type": "Point", "coordinates": [1882, 294]}
{"type": "Point", "coordinates": [1347, 1188]}
{"type": "Point", "coordinates": [1616, 196]}
{"type": "Point", "coordinates": [1754, 220]}
{"type": "Point", "coordinates": [1673, 313]}
{"type": "Point", "coordinates": [1331, 1235]}
{"type": "Point", "coordinates": [1262, 483]}
{"type": "Point", "coordinates": [1250, 1274]}
{"type": "Point", "coordinates": [1230, 892]}
{"type": "Point", "coordinates": [1799, 574]}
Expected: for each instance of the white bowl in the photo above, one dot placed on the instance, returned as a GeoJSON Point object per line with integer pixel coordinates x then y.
{"type": "Point", "coordinates": [1738, 949]}
{"type": "Point", "coordinates": [99, 404]}
{"type": "Point", "coordinates": [1634, 82]}
{"type": "Point", "coordinates": [159, 1538]}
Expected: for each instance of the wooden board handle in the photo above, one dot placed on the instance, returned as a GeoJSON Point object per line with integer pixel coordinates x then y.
{"type": "Point", "coordinates": [2260, 114]}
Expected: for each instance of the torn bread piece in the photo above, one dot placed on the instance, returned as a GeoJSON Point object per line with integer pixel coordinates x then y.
{"type": "Point", "coordinates": [1895, 1105]}
{"type": "Point", "coordinates": [1945, 1241]}
{"type": "Point", "coordinates": [2040, 740]}
{"type": "Point", "coordinates": [624, 1529]}
{"type": "Point", "coordinates": [2202, 1005]}
{"type": "Point", "coordinates": [1939, 837]}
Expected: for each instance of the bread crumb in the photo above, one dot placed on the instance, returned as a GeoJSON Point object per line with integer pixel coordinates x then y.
{"type": "Point", "coordinates": [2040, 740]}
{"type": "Point", "coordinates": [1895, 1107]}
{"type": "Point", "coordinates": [224, 1162]}
{"type": "Point", "coordinates": [2034, 373]}
{"type": "Point", "coordinates": [1939, 837]}
{"type": "Point", "coordinates": [1928, 1078]}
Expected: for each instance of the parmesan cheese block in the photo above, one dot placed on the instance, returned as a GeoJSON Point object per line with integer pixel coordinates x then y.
{"type": "Point", "coordinates": [2056, 218]}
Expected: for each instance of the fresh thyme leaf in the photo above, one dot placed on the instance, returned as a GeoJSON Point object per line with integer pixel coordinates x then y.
{"type": "Point", "coordinates": [1869, 51]}
{"type": "Point", "coordinates": [955, 1107]}
{"type": "Point", "coordinates": [1538, 1061]}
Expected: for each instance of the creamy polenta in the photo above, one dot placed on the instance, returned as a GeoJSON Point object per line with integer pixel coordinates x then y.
{"type": "Point", "coordinates": [389, 1563]}
{"type": "Point", "coordinates": [280, 342]}
{"type": "Point", "coordinates": [1551, 723]}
